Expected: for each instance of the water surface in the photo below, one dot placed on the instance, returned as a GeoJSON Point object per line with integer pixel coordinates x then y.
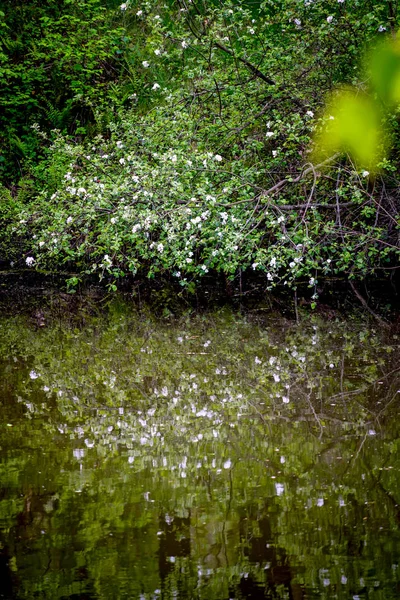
{"type": "Point", "coordinates": [210, 457]}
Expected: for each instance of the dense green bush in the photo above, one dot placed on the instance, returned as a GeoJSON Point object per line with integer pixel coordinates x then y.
{"type": "Point", "coordinates": [200, 162]}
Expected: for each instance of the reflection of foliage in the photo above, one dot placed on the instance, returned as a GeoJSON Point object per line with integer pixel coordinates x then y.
{"type": "Point", "coordinates": [166, 457]}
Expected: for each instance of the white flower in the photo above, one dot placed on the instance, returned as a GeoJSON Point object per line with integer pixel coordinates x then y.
{"type": "Point", "coordinates": [157, 52]}
{"type": "Point", "coordinates": [292, 264]}
{"type": "Point", "coordinates": [139, 13]}
{"type": "Point", "coordinates": [33, 375]}
{"type": "Point", "coordinates": [381, 29]}
{"type": "Point", "coordinates": [146, 64]}
{"type": "Point", "coordinates": [69, 220]}
{"type": "Point", "coordinates": [254, 266]}
{"type": "Point", "coordinates": [173, 158]}
{"type": "Point", "coordinates": [272, 262]}
{"type": "Point", "coordinates": [257, 361]}
{"type": "Point", "coordinates": [312, 281]}
{"type": "Point", "coordinates": [218, 158]}
{"type": "Point", "coordinates": [184, 44]}
{"type": "Point", "coordinates": [81, 190]}
{"type": "Point", "coordinates": [309, 113]}
{"type": "Point", "coordinates": [136, 228]}
{"type": "Point", "coordinates": [113, 220]}
{"type": "Point", "coordinates": [121, 161]}
{"type": "Point", "coordinates": [276, 377]}
{"type": "Point", "coordinates": [189, 260]}
{"type": "Point", "coordinates": [280, 219]}
{"type": "Point", "coordinates": [274, 153]}
{"type": "Point", "coordinates": [329, 19]}
{"type": "Point", "coordinates": [41, 243]}
{"type": "Point", "coordinates": [123, 6]}
{"type": "Point", "coordinates": [365, 173]}
{"type": "Point", "coordinates": [156, 86]}
{"type": "Point", "coordinates": [269, 134]}
{"type": "Point", "coordinates": [227, 464]}
{"type": "Point", "coordinates": [285, 399]}
{"type": "Point", "coordinates": [269, 277]}
{"type": "Point", "coordinates": [297, 22]}
{"type": "Point", "coordinates": [251, 30]}
{"type": "Point", "coordinates": [160, 247]}
{"type": "Point", "coordinates": [340, 1]}
{"type": "Point", "coordinates": [30, 261]}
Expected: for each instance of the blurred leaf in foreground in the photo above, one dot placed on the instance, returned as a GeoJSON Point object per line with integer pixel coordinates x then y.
{"type": "Point", "coordinates": [352, 125]}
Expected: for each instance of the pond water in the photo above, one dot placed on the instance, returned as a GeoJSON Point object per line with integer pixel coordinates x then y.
{"type": "Point", "coordinates": [214, 457]}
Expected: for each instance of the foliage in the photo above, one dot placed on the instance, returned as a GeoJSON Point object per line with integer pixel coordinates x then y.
{"type": "Point", "coordinates": [200, 163]}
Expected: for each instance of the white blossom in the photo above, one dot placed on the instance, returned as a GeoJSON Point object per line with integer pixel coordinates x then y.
{"type": "Point", "coordinates": [156, 86]}
{"type": "Point", "coordinates": [123, 6]}
{"type": "Point", "coordinates": [184, 44]}
{"type": "Point", "coordinates": [329, 19]}
{"type": "Point", "coordinates": [146, 64]}
{"type": "Point", "coordinates": [30, 261]}
{"type": "Point", "coordinates": [218, 158]}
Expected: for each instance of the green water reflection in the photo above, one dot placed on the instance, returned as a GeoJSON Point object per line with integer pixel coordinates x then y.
{"type": "Point", "coordinates": [211, 458]}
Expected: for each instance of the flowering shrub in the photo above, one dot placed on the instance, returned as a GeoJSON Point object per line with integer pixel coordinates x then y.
{"type": "Point", "coordinates": [204, 167]}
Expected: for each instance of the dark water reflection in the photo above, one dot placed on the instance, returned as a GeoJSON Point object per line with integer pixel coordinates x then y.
{"type": "Point", "coordinates": [210, 458]}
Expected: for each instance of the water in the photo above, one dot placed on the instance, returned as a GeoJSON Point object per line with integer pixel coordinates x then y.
{"type": "Point", "coordinates": [210, 457]}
